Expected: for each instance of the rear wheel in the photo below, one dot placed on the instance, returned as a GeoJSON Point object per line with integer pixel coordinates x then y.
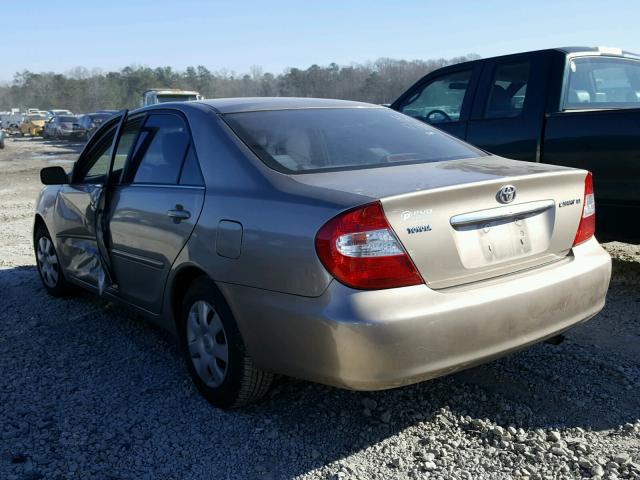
{"type": "Point", "coordinates": [215, 355]}
{"type": "Point", "coordinates": [48, 264]}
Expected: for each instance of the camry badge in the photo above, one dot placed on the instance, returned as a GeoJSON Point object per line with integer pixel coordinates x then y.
{"type": "Point", "coordinates": [506, 194]}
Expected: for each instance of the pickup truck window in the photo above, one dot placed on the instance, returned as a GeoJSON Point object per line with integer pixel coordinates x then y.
{"type": "Point", "coordinates": [439, 101]}
{"type": "Point", "coordinates": [508, 90]}
{"type": "Point", "coordinates": [602, 82]}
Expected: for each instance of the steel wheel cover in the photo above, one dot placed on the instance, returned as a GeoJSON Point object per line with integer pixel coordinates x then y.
{"type": "Point", "coordinates": [48, 262]}
{"type": "Point", "coordinates": [207, 342]}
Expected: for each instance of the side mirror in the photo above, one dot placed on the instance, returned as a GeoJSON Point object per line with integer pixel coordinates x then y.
{"type": "Point", "coordinates": [54, 176]}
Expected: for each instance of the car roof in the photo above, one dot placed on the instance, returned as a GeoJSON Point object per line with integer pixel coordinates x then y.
{"type": "Point", "coordinates": [572, 51]}
{"type": "Point", "coordinates": [254, 104]}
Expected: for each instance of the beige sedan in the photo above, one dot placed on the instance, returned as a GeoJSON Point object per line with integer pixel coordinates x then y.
{"type": "Point", "coordinates": [334, 241]}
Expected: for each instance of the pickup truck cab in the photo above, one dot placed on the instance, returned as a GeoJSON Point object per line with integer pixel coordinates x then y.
{"type": "Point", "coordinates": [575, 106]}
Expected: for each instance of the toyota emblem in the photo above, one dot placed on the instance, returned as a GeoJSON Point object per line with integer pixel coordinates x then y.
{"type": "Point", "coordinates": [506, 194]}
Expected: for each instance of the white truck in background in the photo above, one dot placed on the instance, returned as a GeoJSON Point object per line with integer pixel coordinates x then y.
{"type": "Point", "coordinates": [163, 95]}
{"type": "Point", "coordinates": [11, 119]}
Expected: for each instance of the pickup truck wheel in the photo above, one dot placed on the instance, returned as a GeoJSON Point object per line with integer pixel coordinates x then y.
{"type": "Point", "coordinates": [48, 264]}
{"type": "Point", "coordinates": [214, 352]}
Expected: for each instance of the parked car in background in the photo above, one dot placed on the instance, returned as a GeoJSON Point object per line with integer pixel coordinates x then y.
{"type": "Point", "coordinates": [54, 112]}
{"type": "Point", "coordinates": [90, 122]}
{"type": "Point", "coordinates": [577, 106]}
{"type": "Point", "coordinates": [164, 95]}
{"type": "Point", "coordinates": [334, 241]}
{"type": "Point", "coordinates": [32, 124]}
{"type": "Point", "coordinates": [11, 119]}
{"type": "Point", "coordinates": [64, 127]}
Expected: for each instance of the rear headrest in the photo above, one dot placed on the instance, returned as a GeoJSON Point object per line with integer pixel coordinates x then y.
{"type": "Point", "coordinates": [579, 96]}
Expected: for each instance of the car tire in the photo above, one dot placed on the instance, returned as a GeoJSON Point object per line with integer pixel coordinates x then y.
{"type": "Point", "coordinates": [214, 352]}
{"type": "Point", "coordinates": [48, 264]}
{"type": "Point", "coordinates": [1, 143]}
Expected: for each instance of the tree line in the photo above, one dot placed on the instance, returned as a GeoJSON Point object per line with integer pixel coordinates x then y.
{"type": "Point", "coordinates": [83, 90]}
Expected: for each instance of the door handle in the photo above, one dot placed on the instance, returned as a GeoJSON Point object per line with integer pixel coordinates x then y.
{"type": "Point", "coordinates": [179, 214]}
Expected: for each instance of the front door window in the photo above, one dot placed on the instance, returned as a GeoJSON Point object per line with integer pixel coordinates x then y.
{"type": "Point", "coordinates": [439, 101]}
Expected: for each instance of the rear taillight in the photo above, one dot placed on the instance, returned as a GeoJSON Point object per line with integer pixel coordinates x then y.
{"type": "Point", "coordinates": [359, 248]}
{"type": "Point", "coordinates": [587, 227]}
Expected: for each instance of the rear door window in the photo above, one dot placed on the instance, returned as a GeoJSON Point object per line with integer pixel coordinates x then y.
{"type": "Point", "coordinates": [508, 90]}
{"type": "Point", "coordinates": [191, 174]}
{"type": "Point", "coordinates": [439, 101]}
{"type": "Point", "coordinates": [602, 82]}
{"type": "Point", "coordinates": [160, 150]}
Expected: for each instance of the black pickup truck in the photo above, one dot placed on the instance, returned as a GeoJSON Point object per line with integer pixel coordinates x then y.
{"type": "Point", "coordinates": [576, 106]}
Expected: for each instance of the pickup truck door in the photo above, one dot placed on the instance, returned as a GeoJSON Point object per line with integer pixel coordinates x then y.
{"type": "Point", "coordinates": [597, 128]}
{"type": "Point", "coordinates": [442, 99]}
{"type": "Point", "coordinates": [508, 110]}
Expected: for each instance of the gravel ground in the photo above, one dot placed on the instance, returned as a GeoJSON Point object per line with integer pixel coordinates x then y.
{"type": "Point", "coordinates": [91, 391]}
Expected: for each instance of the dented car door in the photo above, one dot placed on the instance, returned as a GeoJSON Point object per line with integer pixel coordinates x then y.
{"type": "Point", "coordinates": [79, 209]}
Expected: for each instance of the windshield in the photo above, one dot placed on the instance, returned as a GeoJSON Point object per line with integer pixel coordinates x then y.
{"type": "Point", "coordinates": [175, 98]}
{"type": "Point", "coordinates": [32, 118]}
{"type": "Point", "coordinates": [343, 138]}
{"type": "Point", "coordinates": [603, 82]}
{"type": "Point", "coordinates": [66, 118]}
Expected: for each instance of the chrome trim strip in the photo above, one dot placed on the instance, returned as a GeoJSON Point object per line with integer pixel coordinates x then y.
{"type": "Point", "coordinates": [139, 259]}
{"type": "Point", "coordinates": [76, 236]}
{"type": "Point", "coordinates": [161, 185]}
{"type": "Point", "coordinates": [501, 213]}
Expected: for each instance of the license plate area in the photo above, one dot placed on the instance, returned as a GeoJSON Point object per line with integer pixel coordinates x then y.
{"type": "Point", "coordinates": [489, 242]}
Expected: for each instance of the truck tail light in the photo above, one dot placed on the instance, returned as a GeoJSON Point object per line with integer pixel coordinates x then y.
{"type": "Point", "coordinates": [587, 227]}
{"type": "Point", "coordinates": [359, 248]}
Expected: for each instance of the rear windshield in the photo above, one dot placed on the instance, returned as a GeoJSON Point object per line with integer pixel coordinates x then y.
{"type": "Point", "coordinates": [603, 82]}
{"type": "Point", "coordinates": [310, 140]}
{"type": "Point", "coordinates": [66, 118]}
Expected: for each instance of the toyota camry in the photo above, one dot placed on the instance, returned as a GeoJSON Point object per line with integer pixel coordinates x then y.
{"type": "Point", "coordinates": [334, 241]}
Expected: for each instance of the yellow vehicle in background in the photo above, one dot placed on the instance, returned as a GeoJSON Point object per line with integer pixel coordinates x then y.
{"type": "Point", "coordinates": [32, 124]}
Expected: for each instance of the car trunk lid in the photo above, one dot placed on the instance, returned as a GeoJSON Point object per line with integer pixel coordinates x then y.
{"type": "Point", "coordinates": [461, 234]}
{"type": "Point", "coordinates": [452, 224]}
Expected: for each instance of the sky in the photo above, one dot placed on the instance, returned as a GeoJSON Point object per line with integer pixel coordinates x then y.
{"type": "Point", "coordinates": [45, 35]}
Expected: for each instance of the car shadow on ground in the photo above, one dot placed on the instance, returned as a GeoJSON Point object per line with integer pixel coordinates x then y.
{"type": "Point", "coordinates": [85, 377]}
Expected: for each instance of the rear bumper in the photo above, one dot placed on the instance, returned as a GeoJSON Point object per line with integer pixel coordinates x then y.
{"type": "Point", "coordinates": [369, 340]}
